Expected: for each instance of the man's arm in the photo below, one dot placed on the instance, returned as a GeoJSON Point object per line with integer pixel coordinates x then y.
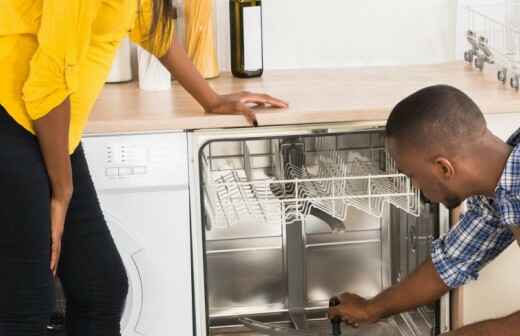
{"type": "Point", "coordinates": [424, 286]}
{"type": "Point", "coordinates": [455, 259]}
{"type": "Point", "coordinates": [506, 326]}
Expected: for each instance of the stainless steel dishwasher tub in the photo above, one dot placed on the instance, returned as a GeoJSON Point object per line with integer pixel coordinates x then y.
{"type": "Point", "coordinates": [284, 218]}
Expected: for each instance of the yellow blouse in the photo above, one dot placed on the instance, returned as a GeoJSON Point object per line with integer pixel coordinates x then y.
{"type": "Point", "coordinates": [53, 49]}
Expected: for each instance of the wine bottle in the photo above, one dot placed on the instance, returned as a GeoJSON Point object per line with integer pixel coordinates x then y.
{"type": "Point", "coordinates": [246, 38]}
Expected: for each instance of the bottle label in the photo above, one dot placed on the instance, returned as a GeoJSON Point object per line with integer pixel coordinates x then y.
{"type": "Point", "coordinates": [252, 23]}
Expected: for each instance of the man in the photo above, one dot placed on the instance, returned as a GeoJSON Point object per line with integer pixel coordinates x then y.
{"type": "Point", "coordinates": [439, 138]}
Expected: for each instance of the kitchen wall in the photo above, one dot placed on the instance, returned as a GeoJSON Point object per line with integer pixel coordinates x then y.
{"type": "Point", "coordinates": [338, 33]}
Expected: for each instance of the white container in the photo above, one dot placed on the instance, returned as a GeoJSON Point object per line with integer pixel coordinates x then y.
{"type": "Point", "coordinates": [121, 70]}
{"type": "Point", "coordinates": [153, 76]}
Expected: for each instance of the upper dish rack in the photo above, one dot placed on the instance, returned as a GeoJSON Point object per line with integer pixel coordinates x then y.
{"type": "Point", "coordinates": [324, 183]}
{"type": "Point", "coordinates": [493, 36]}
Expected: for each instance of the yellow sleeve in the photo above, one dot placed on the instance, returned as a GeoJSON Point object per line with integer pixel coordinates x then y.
{"type": "Point", "coordinates": [63, 40]}
{"type": "Point", "coordinates": [139, 33]}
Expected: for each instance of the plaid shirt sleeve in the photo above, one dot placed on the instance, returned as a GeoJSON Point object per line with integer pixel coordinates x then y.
{"type": "Point", "coordinates": [468, 247]}
{"type": "Point", "coordinates": [510, 212]}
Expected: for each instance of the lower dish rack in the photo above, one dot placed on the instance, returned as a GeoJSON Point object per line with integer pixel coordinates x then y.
{"type": "Point", "coordinates": [325, 184]}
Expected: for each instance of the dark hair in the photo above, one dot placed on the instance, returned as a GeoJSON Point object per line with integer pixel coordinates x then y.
{"type": "Point", "coordinates": [163, 12]}
{"type": "Point", "coordinates": [437, 114]}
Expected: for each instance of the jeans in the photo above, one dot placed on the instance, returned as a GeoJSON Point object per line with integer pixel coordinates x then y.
{"type": "Point", "coordinates": [90, 269]}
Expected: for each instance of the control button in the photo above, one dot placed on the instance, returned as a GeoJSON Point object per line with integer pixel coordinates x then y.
{"type": "Point", "coordinates": [111, 172]}
{"type": "Point", "coordinates": [141, 170]}
{"type": "Point", "coordinates": [125, 171]}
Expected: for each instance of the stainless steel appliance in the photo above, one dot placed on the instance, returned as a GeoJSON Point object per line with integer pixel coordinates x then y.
{"type": "Point", "coordinates": [284, 218]}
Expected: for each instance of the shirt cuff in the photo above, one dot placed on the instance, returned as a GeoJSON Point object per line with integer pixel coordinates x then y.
{"type": "Point", "coordinates": [447, 267]}
{"type": "Point", "coordinates": [49, 83]}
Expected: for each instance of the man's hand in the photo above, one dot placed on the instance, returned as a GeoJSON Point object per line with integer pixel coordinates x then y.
{"type": "Point", "coordinates": [354, 310]}
{"type": "Point", "coordinates": [238, 103]}
{"type": "Point", "coordinates": [422, 287]}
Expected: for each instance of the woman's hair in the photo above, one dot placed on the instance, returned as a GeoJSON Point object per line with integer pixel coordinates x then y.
{"type": "Point", "coordinates": [163, 13]}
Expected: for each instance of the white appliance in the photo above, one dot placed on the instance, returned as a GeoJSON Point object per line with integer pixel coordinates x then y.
{"type": "Point", "coordinates": [142, 183]}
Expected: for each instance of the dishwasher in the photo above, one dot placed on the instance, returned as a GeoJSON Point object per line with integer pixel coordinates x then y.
{"type": "Point", "coordinates": [286, 217]}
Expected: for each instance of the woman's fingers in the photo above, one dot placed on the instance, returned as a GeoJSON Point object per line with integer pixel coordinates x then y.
{"type": "Point", "coordinates": [273, 101]}
{"type": "Point", "coordinates": [237, 103]}
{"type": "Point", "coordinates": [249, 114]}
{"type": "Point", "coordinates": [263, 99]}
{"type": "Point", "coordinates": [55, 255]}
{"type": "Point", "coordinates": [58, 213]}
{"type": "Point", "coordinates": [55, 251]}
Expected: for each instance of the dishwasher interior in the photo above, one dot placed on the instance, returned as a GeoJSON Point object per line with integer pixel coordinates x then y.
{"type": "Point", "coordinates": [291, 221]}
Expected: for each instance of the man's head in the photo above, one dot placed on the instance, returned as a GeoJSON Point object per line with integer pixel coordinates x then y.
{"type": "Point", "coordinates": [433, 135]}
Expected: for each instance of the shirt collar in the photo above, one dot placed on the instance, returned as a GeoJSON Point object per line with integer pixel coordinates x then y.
{"type": "Point", "coordinates": [510, 178]}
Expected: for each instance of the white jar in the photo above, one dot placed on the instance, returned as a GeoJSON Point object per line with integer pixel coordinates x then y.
{"type": "Point", "coordinates": [121, 70]}
{"type": "Point", "coordinates": [153, 76]}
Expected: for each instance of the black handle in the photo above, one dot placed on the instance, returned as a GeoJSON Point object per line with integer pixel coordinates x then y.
{"type": "Point", "coordinates": [335, 321]}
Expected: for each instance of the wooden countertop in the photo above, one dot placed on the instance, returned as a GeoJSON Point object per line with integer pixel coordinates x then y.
{"type": "Point", "coordinates": [319, 95]}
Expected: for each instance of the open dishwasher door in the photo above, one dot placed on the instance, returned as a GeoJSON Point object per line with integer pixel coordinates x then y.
{"type": "Point", "coordinates": [285, 218]}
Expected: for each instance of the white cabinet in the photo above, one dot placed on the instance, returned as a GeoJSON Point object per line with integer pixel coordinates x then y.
{"type": "Point", "coordinates": [496, 292]}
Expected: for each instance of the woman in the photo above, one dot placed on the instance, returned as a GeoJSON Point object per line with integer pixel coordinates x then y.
{"type": "Point", "coordinates": [54, 58]}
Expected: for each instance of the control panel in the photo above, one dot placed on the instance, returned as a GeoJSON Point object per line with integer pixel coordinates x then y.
{"type": "Point", "coordinates": [140, 160]}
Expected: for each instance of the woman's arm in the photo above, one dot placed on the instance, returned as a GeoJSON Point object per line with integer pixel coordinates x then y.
{"type": "Point", "coordinates": [178, 63]}
{"type": "Point", "coordinates": [63, 39]}
{"type": "Point", "coordinates": [52, 131]}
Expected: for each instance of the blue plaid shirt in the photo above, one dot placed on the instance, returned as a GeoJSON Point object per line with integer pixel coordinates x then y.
{"type": "Point", "coordinates": [484, 230]}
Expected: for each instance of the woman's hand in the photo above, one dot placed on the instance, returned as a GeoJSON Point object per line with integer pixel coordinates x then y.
{"type": "Point", "coordinates": [52, 131]}
{"type": "Point", "coordinates": [178, 63]}
{"type": "Point", "coordinates": [59, 206]}
{"type": "Point", "coordinates": [239, 103]}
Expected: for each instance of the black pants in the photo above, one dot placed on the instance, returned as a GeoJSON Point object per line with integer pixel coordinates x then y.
{"type": "Point", "coordinates": [90, 268]}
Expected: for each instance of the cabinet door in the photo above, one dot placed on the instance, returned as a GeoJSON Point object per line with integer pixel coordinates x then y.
{"type": "Point", "coordinates": [497, 286]}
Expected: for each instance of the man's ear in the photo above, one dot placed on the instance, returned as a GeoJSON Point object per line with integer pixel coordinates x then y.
{"type": "Point", "coordinates": [443, 168]}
